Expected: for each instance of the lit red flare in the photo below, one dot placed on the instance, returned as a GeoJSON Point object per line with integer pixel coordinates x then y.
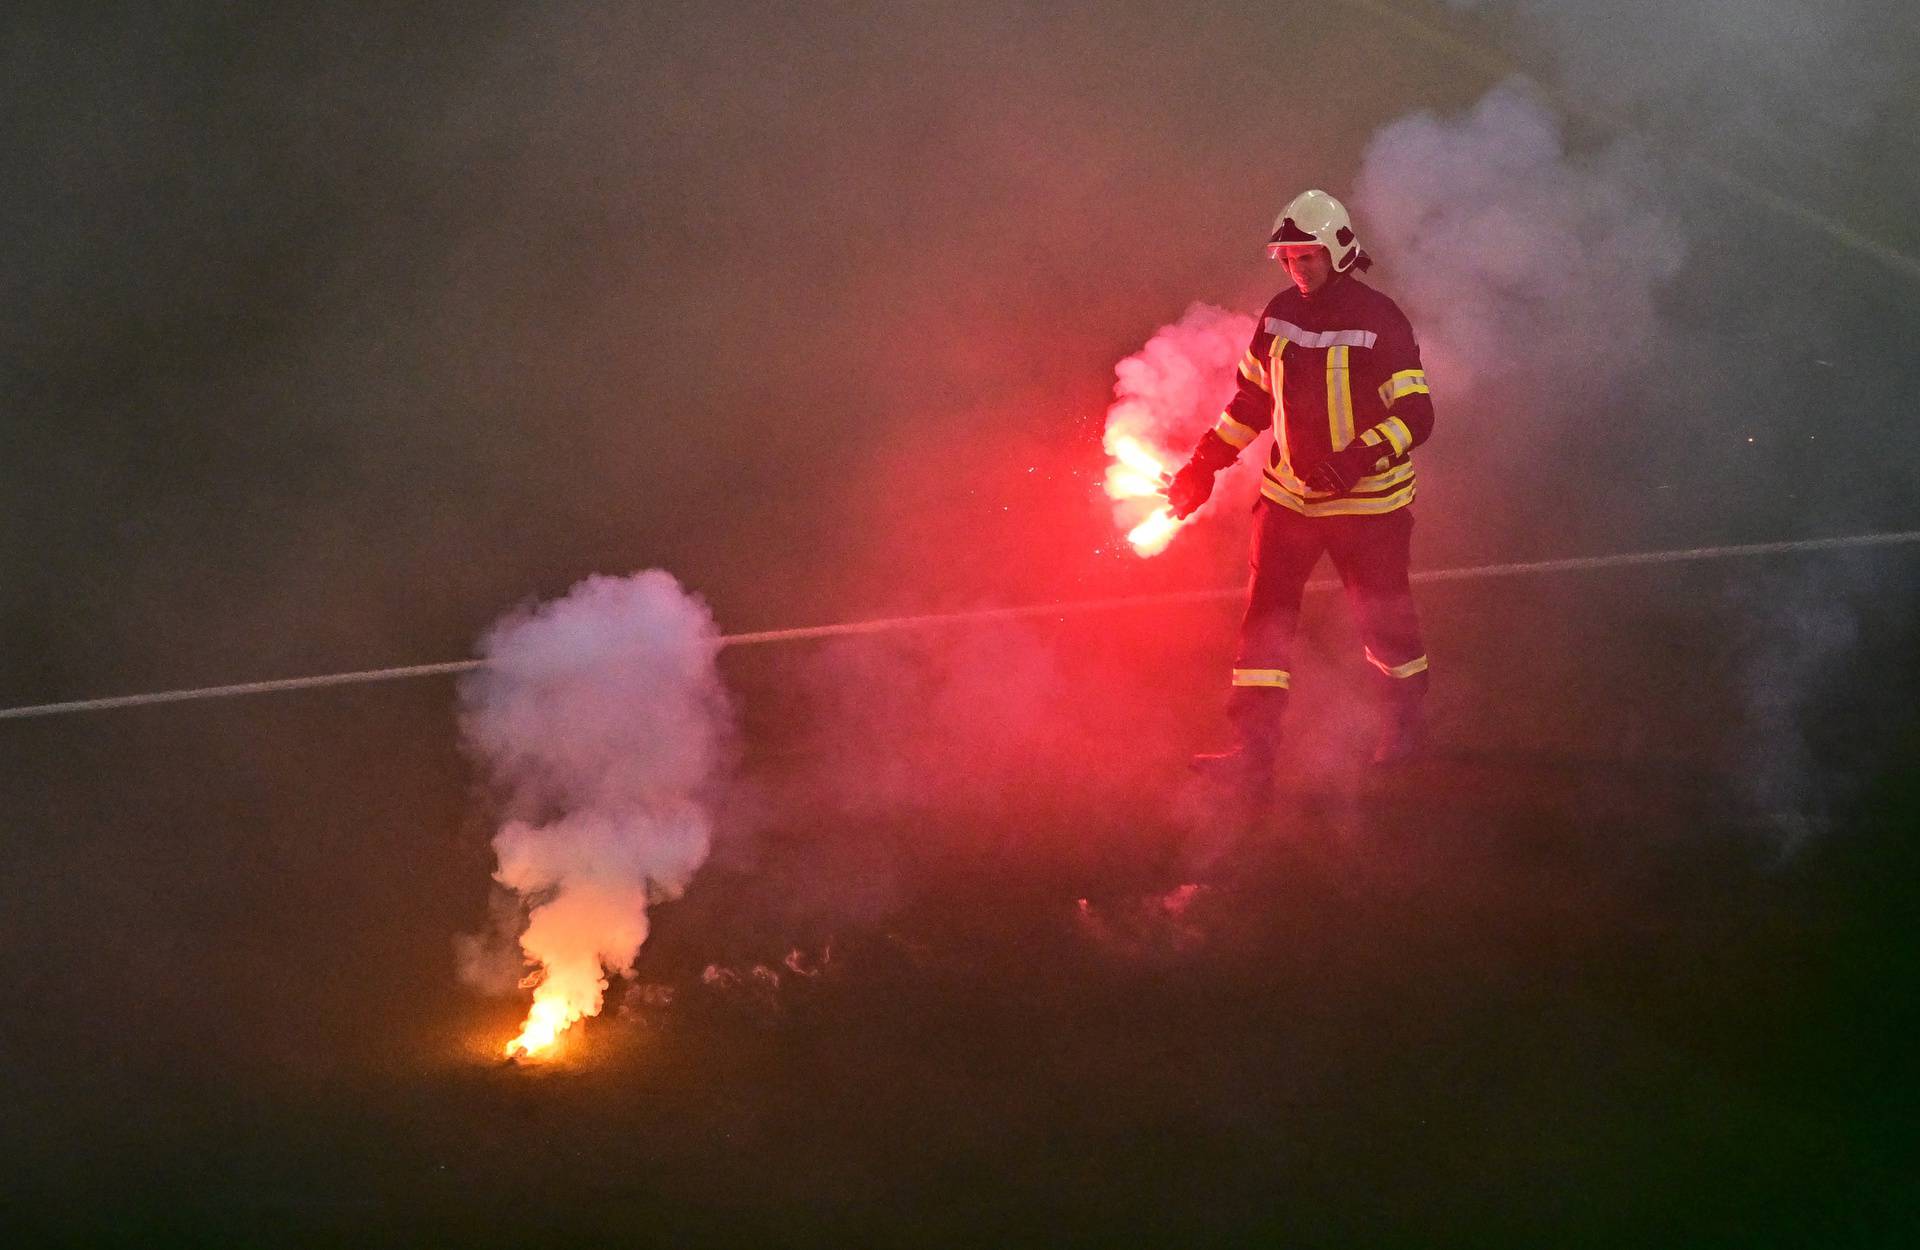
{"type": "Point", "coordinates": [1138, 474]}
{"type": "Point", "coordinates": [1135, 472]}
{"type": "Point", "coordinates": [1151, 536]}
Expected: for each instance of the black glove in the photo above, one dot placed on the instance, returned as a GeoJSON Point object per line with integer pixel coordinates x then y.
{"type": "Point", "coordinates": [1343, 468]}
{"type": "Point", "coordinates": [1190, 488]}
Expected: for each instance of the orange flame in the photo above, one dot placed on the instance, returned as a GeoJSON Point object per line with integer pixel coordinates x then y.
{"type": "Point", "coordinates": [544, 1024]}
{"type": "Point", "coordinates": [565, 992]}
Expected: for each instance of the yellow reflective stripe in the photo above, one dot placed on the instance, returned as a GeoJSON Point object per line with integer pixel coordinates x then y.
{"type": "Point", "coordinates": [1272, 678]}
{"type": "Point", "coordinates": [1372, 483]}
{"type": "Point", "coordinates": [1371, 437]}
{"type": "Point", "coordinates": [1382, 480]}
{"type": "Point", "coordinates": [1416, 665]}
{"type": "Point", "coordinates": [1273, 492]}
{"type": "Point", "coordinates": [1339, 396]}
{"type": "Point", "coordinates": [1252, 370]}
{"type": "Point", "coordinates": [1233, 433]}
{"type": "Point", "coordinates": [1283, 476]}
{"type": "Point", "coordinates": [1392, 436]}
{"type": "Point", "coordinates": [1385, 479]}
{"type": "Point", "coordinates": [1405, 382]}
{"type": "Point", "coordinates": [1276, 373]}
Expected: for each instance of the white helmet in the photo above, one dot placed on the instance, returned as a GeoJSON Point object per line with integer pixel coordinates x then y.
{"type": "Point", "coordinates": [1316, 217]}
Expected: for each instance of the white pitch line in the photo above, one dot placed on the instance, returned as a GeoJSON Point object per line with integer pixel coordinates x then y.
{"type": "Point", "coordinates": [890, 624]}
{"type": "Point", "coordinates": [245, 687]}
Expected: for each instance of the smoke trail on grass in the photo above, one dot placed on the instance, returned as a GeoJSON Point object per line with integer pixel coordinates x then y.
{"type": "Point", "coordinates": [602, 722]}
{"type": "Point", "coordinates": [1797, 628]}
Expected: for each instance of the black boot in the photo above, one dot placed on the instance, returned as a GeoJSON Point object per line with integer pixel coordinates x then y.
{"type": "Point", "coordinates": [1403, 737]}
{"type": "Point", "coordinates": [1248, 767]}
{"type": "Point", "coordinates": [1403, 732]}
{"type": "Point", "coordinates": [1247, 770]}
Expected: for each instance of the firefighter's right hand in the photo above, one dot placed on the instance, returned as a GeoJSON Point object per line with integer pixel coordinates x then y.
{"type": "Point", "coordinates": [1190, 488]}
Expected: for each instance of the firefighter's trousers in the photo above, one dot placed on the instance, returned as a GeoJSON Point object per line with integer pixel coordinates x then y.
{"type": "Point", "coordinates": [1371, 555]}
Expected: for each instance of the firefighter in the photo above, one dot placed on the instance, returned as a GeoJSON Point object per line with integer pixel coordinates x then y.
{"type": "Point", "coordinates": [1335, 372]}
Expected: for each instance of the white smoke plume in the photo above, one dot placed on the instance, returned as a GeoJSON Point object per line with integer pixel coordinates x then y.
{"type": "Point", "coordinates": [601, 719]}
{"type": "Point", "coordinates": [1799, 72]}
{"type": "Point", "coordinates": [1167, 394]}
{"type": "Point", "coordinates": [1518, 261]}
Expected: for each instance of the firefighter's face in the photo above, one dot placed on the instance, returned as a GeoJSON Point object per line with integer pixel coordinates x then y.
{"type": "Point", "coordinates": [1307, 264]}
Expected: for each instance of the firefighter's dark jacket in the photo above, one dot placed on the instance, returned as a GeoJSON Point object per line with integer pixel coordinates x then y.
{"type": "Point", "coordinates": [1323, 371]}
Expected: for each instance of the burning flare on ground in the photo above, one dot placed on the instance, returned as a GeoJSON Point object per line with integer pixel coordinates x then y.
{"type": "Point", "coordinates": [601, 720]}
{"type": "Point", "coordinates": [543, 1027]}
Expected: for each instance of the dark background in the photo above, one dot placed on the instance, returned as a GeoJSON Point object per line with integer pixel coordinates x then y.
{"type": "Point", "coordinates": [330, 335]}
